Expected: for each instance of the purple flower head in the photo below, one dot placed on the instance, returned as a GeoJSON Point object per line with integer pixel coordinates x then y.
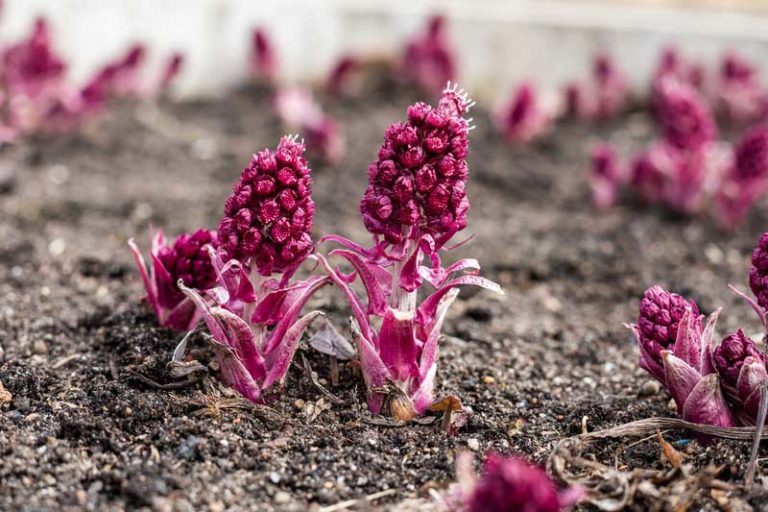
{"type": "Point", "coordinates": [736, 68]}
{"type": "Point", "coordinates": [751, 155]}
{"type": "Point", "coordinates": [739, 90]}
{"type": "Point", "coordinates": [686, 120]}
{"type": "Point", "coordinates": [758, 273]}
{"type": "Point", "coordinates": [657, 325]}
{"type": "Point", "coordinates": [268, 218]}
{"type": "Point", "coordinates": [524, 117]}
{"type": "Point", "coordinates": [509, 484]}
{"type": "Point", "coordinates": [683, 364]}
{"type": "Point", "coordinates": [610, 87]}
{"type": "Point", "coordinates": [263, 57]}
{"type": "Point", "coordinates": [32, 66]}
{"type": "Point", "coordinates": [729, 358]}
{"type": "Point", "coordinates": [417, 184]}
{"type": "Point", "coordinates": [188, 261]}
{"type": "Point", "coordinates": [742, 368]}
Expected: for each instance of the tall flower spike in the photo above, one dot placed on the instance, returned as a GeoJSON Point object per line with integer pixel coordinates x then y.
{"type": "Point", "coordinates": [32, 67]}
{"type": "Point", "coordinates": [507, 483]}
{"type": "Point", "coordinates": [417, 184]}
{"type": "Point", "coordinates": [739, 89]}
{"type": "Point", "coordinates": [186, 261]}
{"type": "Point", "coordinates": [254, 319]}
{"type": "Point", "coordinates": [416, 201]}
{"type": "Point", "coordinates": [610, 85]}
{"type": "Point", "coordinates": [683, 364]}
{"type": "Point", "coordinates": [428, 60]}
{"type": "Point", "coordinates": [606, 177]}
{"type": "Point", "coordinates": [263, 61]}
{"type": "Point", "coordinates": [268, 218]}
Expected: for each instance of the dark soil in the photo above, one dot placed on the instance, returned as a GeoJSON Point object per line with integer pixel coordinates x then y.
{"type": "Point", "coordinates": [96, 422]}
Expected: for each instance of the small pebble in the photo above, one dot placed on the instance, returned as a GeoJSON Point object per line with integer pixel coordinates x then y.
{"type": "Point", "coordinates": [127, 411]}
{"type": "Point", "coordinates": [328, 485]}
{"type": "Point", "coordinates": [274, 477]}
{"type": "Point", "coordinates": [473, 444]}
{"type": "Point", "coordinates": [282, 497]}
{"type": "Point", "coordinates": [650, 388]}
{"type": "Point", "coordinates": [488, 380]}
{"type": "Point", "coordinates": [299, 404]}
{"type": "Point", "coordinates": [39, 348]}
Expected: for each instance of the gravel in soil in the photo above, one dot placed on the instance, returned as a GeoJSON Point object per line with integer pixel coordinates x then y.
{"type": "Point", "coordinates": [96, 422]}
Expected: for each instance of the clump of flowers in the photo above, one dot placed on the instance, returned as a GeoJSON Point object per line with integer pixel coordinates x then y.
{"type": "Point", "coordinates": [186, 261]}
{"type": "Point", "coordinates": [507, 483]}
{"type": "Point", "coordinates": [253, 314]}
{"type": "Point", "coordinates": [263, 57]}
{"type": "Point", "coordinates": [741, 95]}
{"type": "Point", "coordinates": [676, 349]}
{"type": "Point", "coordinates": [686, 120]}
{"type": "Point", "coordinates": [526, 116]}
{"type": "Point", "coordinates": [604, 96]}
{"type": "Point", "coordinates": [298, 110]}
{"type": "Point", "coordinates": [414, 204]}
{"type": "Point", "coordinates": [719, 386]}
{"type": "Point", "coordinates": [428, 60]}
{"type": "Point", "coordinates": [342, 74]}
{"type": "Point", "coordinates": [672, 65]}
{"type": "Point", "coordinates": [607, 176]}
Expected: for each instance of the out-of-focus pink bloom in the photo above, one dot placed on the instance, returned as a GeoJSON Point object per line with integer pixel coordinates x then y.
{"type": "Point", "coordinates": [415, 202]}
{"type": "Point", "coordinates": [298, 110]}
{"type": "Point", "coordinates": [264, 63]}
{"type": "Point", "coordinates": [683, 364]}
{"type": "Point", "coordinates": [746, 179]}
{"type": "Point", "coordinates": [525, 116]}
{"type": "Point", "coordinates": [429, 60]}
{"type": "Point", "coordinates": [607, 176]}
{"type": "Point", "coordinates": [32, 67]}
{"type": "Point", "coordinates": [610, 85]}
{"type": "Point", "coordinates": [739, 90]}
{"type": "Point", "coordinates": [341, 75]}
{"type": "Point", "coordinates": [171, 71]}
{"type": "Point", "coordinates": [686, 120]}
{"type": "Point", "coordinates": [187, 260]}
{"type": "Point", "coordinates": [507, 484]}
{"type": "Point", "coordinates": [758, 272]}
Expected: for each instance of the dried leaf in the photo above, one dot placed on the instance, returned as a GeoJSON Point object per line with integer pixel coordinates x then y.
{"type": "Point", "coordinates": [312, 410]}
{"type": "Point", "coordinates": [669, 452]}
{"type": "Point", "coordinates": [329, 340]}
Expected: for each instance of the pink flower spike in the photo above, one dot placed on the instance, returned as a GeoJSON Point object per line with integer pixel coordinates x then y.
{"type": "Point", "coordinates": [739, 90]}
{"type": "Point", "coordinates": [685, 117]}
{"type": "Point", "coordinates": [742, 368]}
{"type": "Point", "coordinates": [264, 63]}
{"type": "Point", "coordinates": [171, 71]}
{"type": "Point", "coordinates": [525, 116]}
{"type": "Point", "coordinates": [185, 261]}
{"type": "Point", "coordinates": [610, 86]}
{"type": "Point", "coordinates": [415, 202]}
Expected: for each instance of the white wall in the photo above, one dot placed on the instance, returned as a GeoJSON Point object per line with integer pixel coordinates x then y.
{"type": "Point", "coordinates": [499, 42]}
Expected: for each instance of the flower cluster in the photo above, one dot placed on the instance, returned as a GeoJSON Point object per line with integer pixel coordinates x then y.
{"type": "Point", "coordinates": [741, 95]}
{"type": "Point", "coordinates": [415, 202]}
{"type": "Point", "coordinates": [185, 261]}
{"type": "Point", "coordinates": [39, 98]}
{"type": "Point", "coordinates": [507, 483]}
{"type": "Point", "coordinates": [341, 75]}
{"type": "Point", "coordinates": [526, 116]}
{"type": "Point", "coordinates": [604, 96]}
{"type": "Point", "coordinates": [417, 184]}
{"type": "Point", "coordinates": [268, 218]}
{"type": "Point", "coordinates": [714, 386]}
{"type": "Point", "coordinates": [428, 60]}
{"type": "Point", "coordinates": [606, 177]}
{"type": "Point", "coordinates": [297, 109]}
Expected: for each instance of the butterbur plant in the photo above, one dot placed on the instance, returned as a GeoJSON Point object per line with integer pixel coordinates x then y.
{"type": "Point", "coordinates": [686, 120]}
{"type": "Point", "coordinates": [253, 314]}
{"type": "Point", "coordinates": [428, 60]}
{"type": "Point", "coordinates": [607, 176]}
{"type": "Point", "coordinates": [676, 349]}
{"type": "Point", "coordinates": [604, 96]}
{"type": "Point", "coordinates": [263, 58]}
{"type": "Point", "coordinates": [741, 95]}
{"type": "Point", "coordinates": [525, 116]}
{"type": "Point", "coordinates": [742, 370]}
{"type": "Point", "coordinates": [414, 204]}
{"type": "Point", "coordinates": [186, 261]}
{"type": "Point", "coordinates": [341, 75]}
{"type": "Point", "coordinates": [298, 110]}
{"type": "Point", "coordinates": [507, 483]}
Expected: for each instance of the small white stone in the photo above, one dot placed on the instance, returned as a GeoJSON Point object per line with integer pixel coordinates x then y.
{"type": "Point", "coordinates": [473, 444]}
